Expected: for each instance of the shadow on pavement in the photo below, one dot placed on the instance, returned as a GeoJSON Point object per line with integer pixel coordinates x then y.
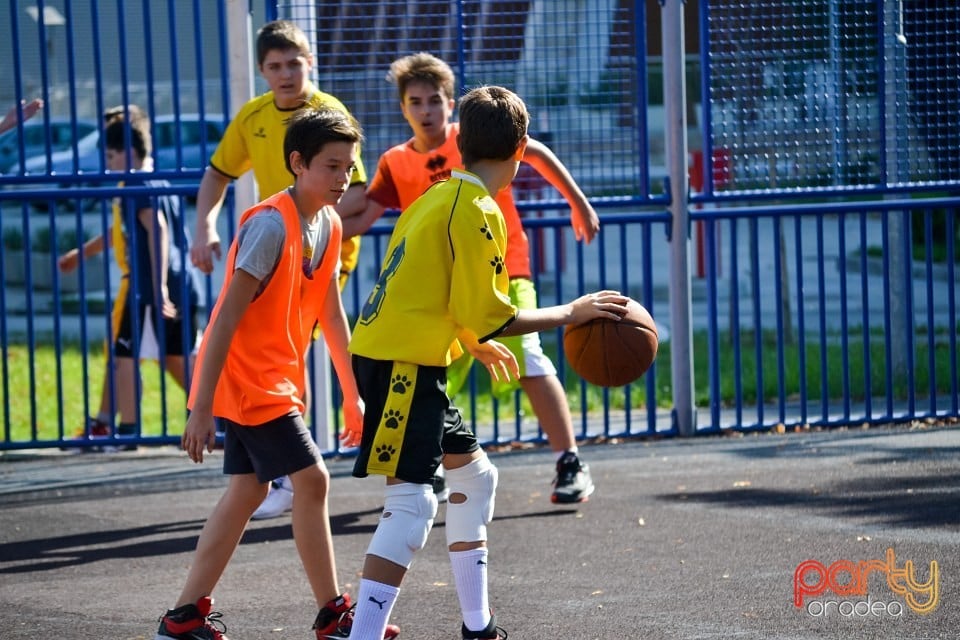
{"type": "Point", "coordinates": [910, 500]}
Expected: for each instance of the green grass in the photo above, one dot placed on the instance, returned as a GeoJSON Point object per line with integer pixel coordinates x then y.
{"type": "Point", "coordinates": [813, 380]}
{"type": "Point", "coordinates": [69, 397]}
{"type": "Point", "coordinates": [50, 401]}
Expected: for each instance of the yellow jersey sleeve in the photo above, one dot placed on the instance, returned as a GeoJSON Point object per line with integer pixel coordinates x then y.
{"type": "Point", "coordinates": [443, 272]}
{"type": "Point", "coordinates": [254, 140]}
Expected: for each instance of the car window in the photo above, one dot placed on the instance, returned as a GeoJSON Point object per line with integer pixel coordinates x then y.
{"type": "Point", "coordinates": [213, 133]}
{"type": "Point", "coordinates": [33, 136]}
{"type": "Point", "coordinates": [189, 133]}
{"type": "Point", "coordinates": [62, 134]}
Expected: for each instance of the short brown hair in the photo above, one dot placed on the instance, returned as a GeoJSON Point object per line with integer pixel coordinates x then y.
{"type": "Point", "coordinates": [493, 123]}
{"type": "Point", "coordinates": [117, 123]}
{"type": "Point", "coordinates": [422, 67]}
{"type": "Point", "coordinates": [309, 129]}
{"type": "Point", "coordinates": [122, 110]}
{"type": "Point", "coordinates": [281, 35]}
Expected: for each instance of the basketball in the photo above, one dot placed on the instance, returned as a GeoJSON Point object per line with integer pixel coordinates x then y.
{"type": "Point", "coordinates": [611, 353]}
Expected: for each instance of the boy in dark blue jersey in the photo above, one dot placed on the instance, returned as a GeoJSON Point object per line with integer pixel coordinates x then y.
{"type": "Point", "coordinates": [155, 310]}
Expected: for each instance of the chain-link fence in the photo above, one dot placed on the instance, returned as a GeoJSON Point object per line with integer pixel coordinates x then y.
{"type": "Point", "coordinates": [820, 94]}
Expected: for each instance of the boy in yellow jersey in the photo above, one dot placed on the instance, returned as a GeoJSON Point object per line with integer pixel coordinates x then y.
{"type": "Point", "coordinates": [444, 283]}
{"type": "Point", "coordinates": [281, 281]}
{"type": "Point", "coordinates": [426, 87]}
{"type": "Point", "coordinates": [254, 140]}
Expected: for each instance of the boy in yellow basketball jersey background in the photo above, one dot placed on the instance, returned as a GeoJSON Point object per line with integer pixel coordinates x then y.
{"type": "Point", "coordinates": [254, 140]}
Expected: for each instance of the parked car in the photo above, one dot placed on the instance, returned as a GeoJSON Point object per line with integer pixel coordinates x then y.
{"type": "Point", "coordinates": [176, 146]}
{"type": "Point", "coordinates": [60, 133]}
{"type": "Point", "coordinates": [171, 136]}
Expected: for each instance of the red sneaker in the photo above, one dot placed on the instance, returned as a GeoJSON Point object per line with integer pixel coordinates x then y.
{"type": "Point", "coordinates": [192, 622]}
{"type": "Point", "coordinates": [336, 619]}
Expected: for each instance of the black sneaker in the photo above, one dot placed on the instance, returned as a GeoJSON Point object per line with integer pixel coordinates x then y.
{"type": "Point", "coordinates": [124, 431]}
{"type": "Point", "coordinates": [192, 622]}
{"type": "Point", "coordinates": [573, 482]}
{"type": "Point", "coordinates": [492, 632]}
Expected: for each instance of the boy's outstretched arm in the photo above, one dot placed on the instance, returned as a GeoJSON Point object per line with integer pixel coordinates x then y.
{"type": "Point", "coordinates": [200, 430]}
{"type": "Point", "coordinates": [600, 304]}
{"type": "Point", "coordinates": [359, 224]}
{"type": "Point", "coordinates": [29, 109]}
{"type": "Point", "coordinates": [70, 260]}
{"type": "Point", "coordinates": [352, 202]}
{"type": "Point", "coordinates": [583, 218]}
{"type": "Point", "coordinates": [336, 333]}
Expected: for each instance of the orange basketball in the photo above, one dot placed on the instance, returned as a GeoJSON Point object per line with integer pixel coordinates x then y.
{"type": "Point", "coordinates": [612, 353]}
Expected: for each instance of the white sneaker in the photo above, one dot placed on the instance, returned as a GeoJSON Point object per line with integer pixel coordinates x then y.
{"type": "Point", "coordinates": [277, 502]}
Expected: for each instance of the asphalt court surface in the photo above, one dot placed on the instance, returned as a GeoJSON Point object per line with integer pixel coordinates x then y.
{"type": "Point", "coordinates": [684, 538]}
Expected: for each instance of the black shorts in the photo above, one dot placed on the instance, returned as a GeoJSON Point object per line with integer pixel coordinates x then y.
{"type": "Point", "coordinates": [180, 336]}
{"type": "Point", "coordinates": [408, 422]}
{"type": "Point", "coordinates": [271, 450]}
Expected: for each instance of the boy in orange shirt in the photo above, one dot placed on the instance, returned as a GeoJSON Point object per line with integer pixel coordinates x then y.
{"type": "Point", "coordinates": [426, 87]}
{"type": "Point", "coordinates": [251, 373]}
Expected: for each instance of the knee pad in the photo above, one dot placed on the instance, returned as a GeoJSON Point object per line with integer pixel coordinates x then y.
{"type": "Point", "coordinates": [408, 513]}
{"type": "Point", "coordinates": [467, 520]}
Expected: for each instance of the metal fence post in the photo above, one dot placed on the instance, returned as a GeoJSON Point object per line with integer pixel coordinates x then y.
{"type": "Point", "coordinates": [675, 145]}
{"type": "Point", "coordinates": [894, 96]}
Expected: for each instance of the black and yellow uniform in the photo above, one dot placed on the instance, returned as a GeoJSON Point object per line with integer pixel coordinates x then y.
{"type": "Point", "coordinates": [443, 274]}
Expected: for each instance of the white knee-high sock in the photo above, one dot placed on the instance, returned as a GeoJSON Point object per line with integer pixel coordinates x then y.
{"type": "Point", "coordinates": [470, 576]}
{"type": "Point", "coordinates": [375, 602]}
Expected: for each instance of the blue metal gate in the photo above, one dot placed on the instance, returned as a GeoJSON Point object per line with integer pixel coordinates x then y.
{"type": "Point", "coordinates": [807, 278]}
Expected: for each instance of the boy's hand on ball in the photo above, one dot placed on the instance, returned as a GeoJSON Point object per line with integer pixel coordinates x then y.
{"type": "Point", "coordinates": [600, 304]}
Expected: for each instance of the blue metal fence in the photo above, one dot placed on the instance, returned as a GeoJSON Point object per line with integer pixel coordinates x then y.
{"type": "Point", "coordinates": [823, 226]}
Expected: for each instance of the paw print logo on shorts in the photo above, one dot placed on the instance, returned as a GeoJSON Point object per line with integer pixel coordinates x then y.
{"type": "Point", "coordinates": [385, 452]}
{"type": "Point", "coordinates": [485, 230]}
{"type": "Point", "coordinates": [393, 419]}
{"type": "Point", "coordinates": [400, 384]}
{"type": "Point", "coordinates": [497, 263]}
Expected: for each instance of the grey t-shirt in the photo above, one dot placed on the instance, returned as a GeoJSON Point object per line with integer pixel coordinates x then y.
{"type": "Point", "coordinates": [260, 241]}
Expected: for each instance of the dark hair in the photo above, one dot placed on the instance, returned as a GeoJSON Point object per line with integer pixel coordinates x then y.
{"type": "Point", "coordinates": [309, 129]}
{"type": "Point", "coordinates": [493, 122]}
{"type": "Point", "coordinates": [422, 67]}
{"type": "Point", "coordinates": [122, 110]}
{"type": "Point", "coordinates": [281, 35]}
{"type": "Point", "coordinates": [117, 125]}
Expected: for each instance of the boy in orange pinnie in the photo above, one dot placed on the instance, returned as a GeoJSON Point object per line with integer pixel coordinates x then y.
{"type": "Point", "coordinates": [251, 374]}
